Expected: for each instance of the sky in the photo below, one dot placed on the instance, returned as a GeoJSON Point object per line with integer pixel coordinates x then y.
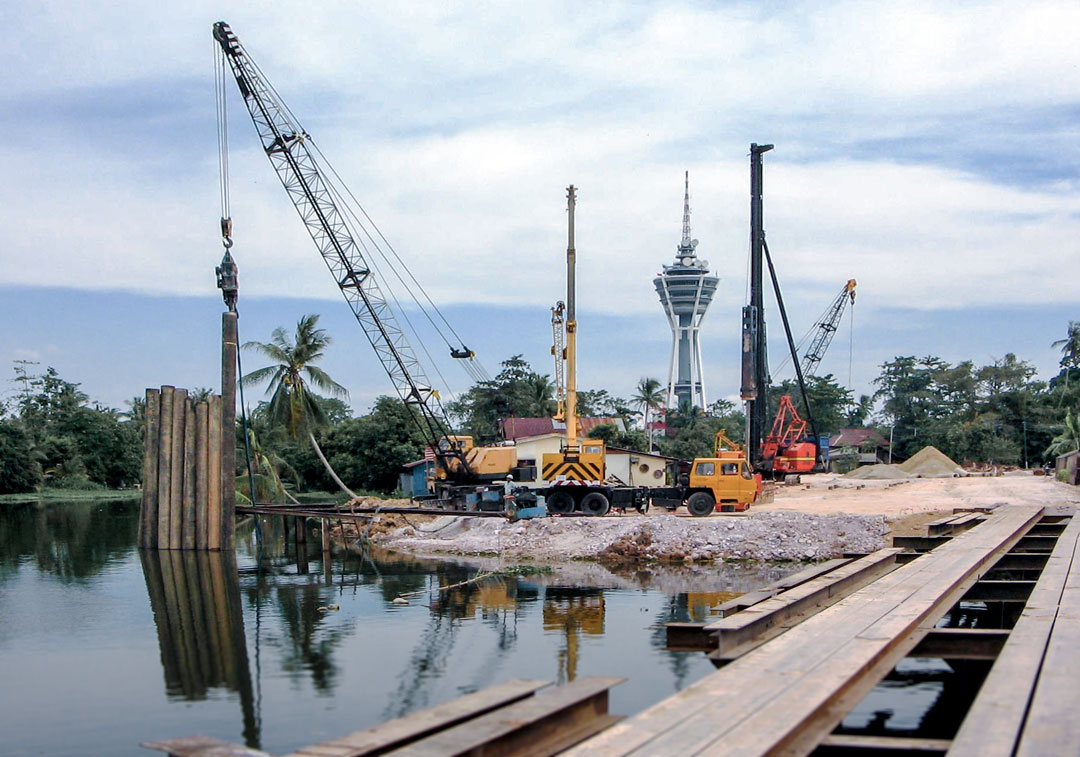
{"type": "Point", "coordinates": [927, 150]}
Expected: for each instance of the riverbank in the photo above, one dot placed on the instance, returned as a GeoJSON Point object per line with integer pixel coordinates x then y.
{"type": "Point", "coordinates": [823, 517]}
{"type": "Point", "coordinates": [71, 495]}
{"type": "Point", "coordinates": [664, 536]}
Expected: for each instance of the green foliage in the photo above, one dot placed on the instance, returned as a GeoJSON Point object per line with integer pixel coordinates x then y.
{"type": "Point", "coordinates": [292, 403]}
{"type": "Point", "coordinates": [19, 470]}
{"type": "Point", "coordinates": [516, 392]}
{"type": "Point", "coordinates": [369, 452]}
{"type": "Point", "coordinates": [293, 406]}
{"type": "Point", "coordinates": [632, 439]}
{"type": "Point", "coordinates": [694, 434]}
{"type": "Point", "coordinates": [993, 413]}
{"type": "Point", "coordinates": [830, 403]}
{"type": "Point", "coordinates": [78, 446]}
{"type": "Point", "coordinates": [1069, 439]}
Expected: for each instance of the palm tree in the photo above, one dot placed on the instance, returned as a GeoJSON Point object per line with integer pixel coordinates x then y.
{"type": "Point", "coordinates": [292, 403]}
{"type": "Point", "coordinates": [650, 396]}
{"type": "Point", "coordinates": [1070, 352]}
{"type": "Point", "coordinates": [1068, 440]}
{"type": "Point", "coordinates": [267, 467]}
{"type": "Point", "coordinates": [541, 393]}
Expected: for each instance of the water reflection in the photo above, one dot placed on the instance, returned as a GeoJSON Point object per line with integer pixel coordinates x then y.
{"type": "Point", "coordinates": [573, 612]}
{"type": "Point", "coordinates": [71, 541]}
{"type": "Point", "coordinates": [195, 597]}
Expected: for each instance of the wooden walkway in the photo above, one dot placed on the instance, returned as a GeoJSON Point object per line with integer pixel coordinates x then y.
{"type": "Point", "coordinates": [798, 656]}
{"type": "Point", "coordinates": [788, 695]}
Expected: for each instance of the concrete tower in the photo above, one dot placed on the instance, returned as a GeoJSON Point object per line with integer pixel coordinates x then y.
{"type": "Point", "coordinates": [686, 289]}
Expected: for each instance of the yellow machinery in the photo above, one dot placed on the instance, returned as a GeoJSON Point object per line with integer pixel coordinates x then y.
{"type": "Point", "coordinates": [576, 473]}
{"type": "Point", "coordinates": [484, 463]}
{"type": "Point", "coordinates": [721, 483]}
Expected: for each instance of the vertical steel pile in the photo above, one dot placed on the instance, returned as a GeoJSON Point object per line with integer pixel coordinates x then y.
{"type": "Point", "coordinates": [183, 475]}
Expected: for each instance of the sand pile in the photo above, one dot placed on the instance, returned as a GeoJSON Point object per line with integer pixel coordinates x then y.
{"type": "Point", "coordinates": [878, 472]}
{"type": "Point", "coordinates": [930, 462]}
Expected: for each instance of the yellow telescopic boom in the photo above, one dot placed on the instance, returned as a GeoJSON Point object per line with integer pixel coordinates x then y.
{"type": "Point", "coordinates": [571, 328]}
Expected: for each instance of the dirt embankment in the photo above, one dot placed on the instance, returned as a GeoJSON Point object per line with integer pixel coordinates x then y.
{"type": "Point", "coordinates": [825, 516]}
{"type": "Point", "coordinates": [762, 536]}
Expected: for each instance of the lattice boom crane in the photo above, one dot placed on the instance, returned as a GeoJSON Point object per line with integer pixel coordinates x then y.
{"type": "Point", "coordinates": [316, 197]}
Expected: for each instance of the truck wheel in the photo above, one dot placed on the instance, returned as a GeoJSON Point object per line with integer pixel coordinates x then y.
{"type": "Point", "coordinates": [595, 503]}
{"type": "Point", "coordinates": [560, 503]}
{"type": "Point", "coordinates": [700, 504]}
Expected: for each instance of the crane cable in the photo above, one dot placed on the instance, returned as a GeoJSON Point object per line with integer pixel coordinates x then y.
{"type": "Point", "coordinates": [851, 342]}
{"type": "Point", "coordinates": [474, 369]}
{"type": "Point", "coordinates": [227, 243]}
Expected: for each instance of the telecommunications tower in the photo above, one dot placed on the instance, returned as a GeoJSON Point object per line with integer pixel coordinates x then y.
{"type": "Point", "coordinates": [686, 289]}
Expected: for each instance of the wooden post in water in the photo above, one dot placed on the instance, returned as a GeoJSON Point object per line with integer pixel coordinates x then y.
{"type": "Point", "coordinates": [214, 476]}
{"type": "Point", "coordinates": [148, 510]}
{"type": "Point", "coordinates": [202, 463]}
{"type": "Point", "coordinates": [229, 336]}
{"type": "Point", "coordinates": [176, 484]}
{"type": "Point", "coordinates": [165, 447]}
{"type": "Point", "coordinates": [187, 531]}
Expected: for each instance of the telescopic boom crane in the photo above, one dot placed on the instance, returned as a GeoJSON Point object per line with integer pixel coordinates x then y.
{"type": "Point", "coordinates": [295, 160]}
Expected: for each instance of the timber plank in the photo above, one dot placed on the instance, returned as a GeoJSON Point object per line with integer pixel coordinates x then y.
{"type": "Point", "coordinates": [751, 598]}
{"type": "Point", "coordinates": [801, 600]}
{"type": "Point", "coordinates": [795, 687]}
{"type": "Point", "coordinates": [539, 725]}
{"type": "Point", "coordinates": [395, 733]}
{"type": "Point", "coordinates": [721, 690]}
{"type": "Point", "coordinates": [203, 746]}
{"type": "Point", "coordinates": [857, 744]}
{"type": "Point", "coordinates": [993, 723]}
{"type": "Point", "coordinates": [1051, 726]}
{"type": "Point", "coordinates": [941, 525]}
{"type": "Point", "coordinates": [962, 643]}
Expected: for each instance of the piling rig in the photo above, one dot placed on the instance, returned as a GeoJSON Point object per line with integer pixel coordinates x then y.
{"type": "Point", "coordinates": [464, 473]}
{"type": "Point", "coordinates": [755, 364]}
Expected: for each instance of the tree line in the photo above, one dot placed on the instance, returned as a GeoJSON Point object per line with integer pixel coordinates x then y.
{"type": "Point", "coordinates": [303, 436]}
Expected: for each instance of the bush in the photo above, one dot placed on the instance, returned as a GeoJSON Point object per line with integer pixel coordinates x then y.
{"type": "Point", "coordinates": [19, 470]}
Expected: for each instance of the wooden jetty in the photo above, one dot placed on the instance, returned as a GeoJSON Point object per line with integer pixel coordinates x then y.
{"type": "Point", "coordinates": [796, 657]}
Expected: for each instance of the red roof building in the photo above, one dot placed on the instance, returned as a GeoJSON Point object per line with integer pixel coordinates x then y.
{"type": "Point", "coordinates": [519, 428]}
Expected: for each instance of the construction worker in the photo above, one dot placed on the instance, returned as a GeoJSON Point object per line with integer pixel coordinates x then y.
{"type": "Point", "coordinates": [509, 506]}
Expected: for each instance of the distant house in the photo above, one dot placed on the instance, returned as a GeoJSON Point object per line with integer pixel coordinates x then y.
{"type": "Point", "coordinates": [1070, 462]}
{"type": "Point", "coordinates": [868, 444]}
{"type": "Point", "coordinates": [516, 428]}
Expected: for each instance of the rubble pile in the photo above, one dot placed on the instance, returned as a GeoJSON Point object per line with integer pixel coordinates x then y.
{"type": "Point", "coordinates": [759, 536]}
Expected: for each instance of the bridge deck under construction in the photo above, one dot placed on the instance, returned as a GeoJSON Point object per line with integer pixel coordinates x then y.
{"type": "Point", "coordinates": [797, 657]}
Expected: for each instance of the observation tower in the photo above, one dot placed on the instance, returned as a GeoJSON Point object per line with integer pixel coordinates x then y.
{"type": "Point", "coordinates": [686, 290]}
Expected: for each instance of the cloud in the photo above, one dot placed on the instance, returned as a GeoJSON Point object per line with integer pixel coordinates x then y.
{"type": "Point", "coordinates": [900, 130]}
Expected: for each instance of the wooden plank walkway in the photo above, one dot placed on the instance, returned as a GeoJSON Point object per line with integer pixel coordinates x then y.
{"type": "Point", "coordinates": [1029, 695]}
{"type": "Point", "coordinates": [799, 658]}
{"type": "Point", "coordinates": [788, 695]}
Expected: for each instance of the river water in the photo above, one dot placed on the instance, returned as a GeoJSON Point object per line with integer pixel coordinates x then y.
{"type": "Point", "coordinates": [103, 647]}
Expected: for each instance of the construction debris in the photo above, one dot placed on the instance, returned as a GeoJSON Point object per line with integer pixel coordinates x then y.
{"type": "Point", "coordinates": [761, 536]}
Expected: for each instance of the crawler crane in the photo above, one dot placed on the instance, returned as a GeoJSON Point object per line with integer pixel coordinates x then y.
{"type": "Point", "coordinates": [349, 242]}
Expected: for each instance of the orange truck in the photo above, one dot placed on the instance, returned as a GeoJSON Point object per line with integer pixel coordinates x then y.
{"type": "Point", "coordinates": [721, 483]}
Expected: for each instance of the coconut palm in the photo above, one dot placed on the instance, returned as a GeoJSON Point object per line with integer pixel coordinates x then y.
{"type": "Point", "coordinates": [1069, 439]}
{"type": "Point", "coordinates": [292, 403]}
{"type": "Point", "coordinates": [267, 468]}
{"type": "Point", "coordinates": [1070, 352]}
{"type": "Point", "coordinates": [541, 394]}
{"type": "Point", "coordinates": [650, 396]}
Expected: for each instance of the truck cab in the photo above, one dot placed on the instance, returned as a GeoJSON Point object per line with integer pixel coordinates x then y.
{"type": "Point", "coordinates": [723, 484]}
